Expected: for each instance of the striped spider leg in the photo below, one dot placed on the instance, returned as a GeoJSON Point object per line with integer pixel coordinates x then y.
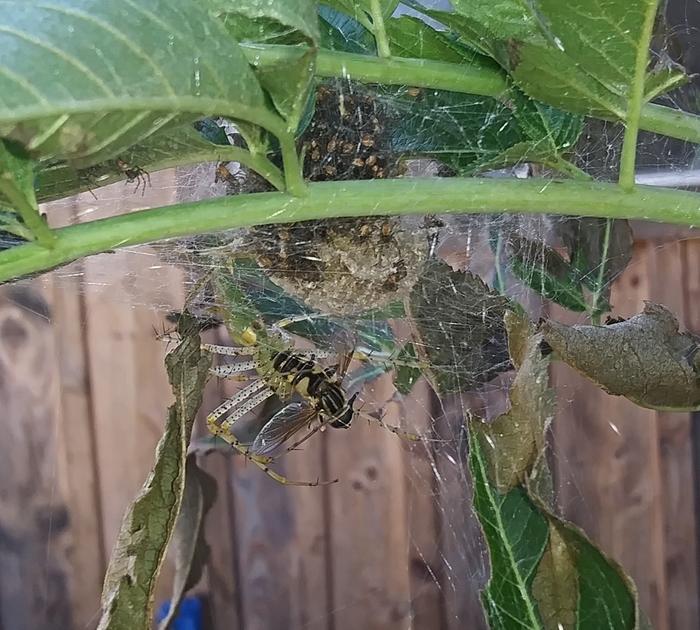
{"type": "Point", "coordinates": [243, 402]}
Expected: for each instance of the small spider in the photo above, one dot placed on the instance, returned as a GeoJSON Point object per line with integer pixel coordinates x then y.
{"type": "Point", "coordinates": [134, 174]}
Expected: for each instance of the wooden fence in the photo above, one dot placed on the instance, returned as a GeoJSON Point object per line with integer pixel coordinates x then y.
{"type": "Point", "coordinates": [392, 546]}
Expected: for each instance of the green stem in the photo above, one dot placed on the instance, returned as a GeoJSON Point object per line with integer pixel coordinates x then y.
{"type": "Point", "coordinates": [394, 71]}
{"type": "Point", "coordinates": [30, 215]}
{"type": "Point", "coordinates": [292, 167]}
{"type": "Point", "coordinates": [378, 29]}
{"type": "Point", "coordinates": [483, 81]}
{"type": "Point", "coordinates": [628, 157]}
{"type": "Point", "coordinates": [355, 199]}
{"type": "Point", "coordinates": [600, 281]}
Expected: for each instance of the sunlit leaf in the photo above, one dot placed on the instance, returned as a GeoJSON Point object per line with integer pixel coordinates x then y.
{"type": "Point", "coordinates": [188, 545]}
{"type": "Point", "coordinates": [644, 358]}
{"type": "Point", "coordinates": [577, 55]}
{"type": "Point", "coordinates": [127, 596]}
{"type": "Point", "coordinates": [140, 67]}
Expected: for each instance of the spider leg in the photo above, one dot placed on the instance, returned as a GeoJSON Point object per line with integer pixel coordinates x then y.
{"type": "Point", "coordinates": [412, 437]}
{"type": "Point", "coordinates": [226, 371]}
{"type": "Point", "coordinates": [244, 401]}
{"type": "Point", "coordinates": [231, 351]}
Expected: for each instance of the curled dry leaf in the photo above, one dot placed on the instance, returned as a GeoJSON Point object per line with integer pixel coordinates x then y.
{"type": "Point", "coordinates": [516, 439]}
{"type": "Point", "coordinates": [645, 358]}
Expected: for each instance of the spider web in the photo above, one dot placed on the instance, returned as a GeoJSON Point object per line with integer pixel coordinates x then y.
{"type": "Point", "coordinates": [356, 274]}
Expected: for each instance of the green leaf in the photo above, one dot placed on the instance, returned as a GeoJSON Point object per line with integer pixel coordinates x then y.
{"type": "Point", "coordinates": [127, 596]}
{"type": "Point", "coordinates": [516, 534]}
{"type": "Point", "coordinates": [17, 190]}
{"type": "Point", "coordinates": [537, 560]}
{"type": "Point", "coordinates": [160, 64]}
{"type": "Point", "coordinates": [576, 55]}
{"type": "Point", "coordinates": [599, 250]}
{"type": "Point", "coordinates": [644, 358]}
{"type": "Point", "coordinates": [460, 323]}
{"type": "Point", "coordinates": [545, 271]}
{"type": "Point", "coordinates": [189, 547]}
{"type": "Point", "coordinates": [341, 32]}
{"type": "Point", "coordinates": [361, 10]}
{"type": "Point", "coordinates": [412, 37]}
{"type": "Point", "coordinates": [406, 375]}
{"type": "Point", "coordinates": [288, 79]}
{"type": "Point", "coordinates": [182, 145]}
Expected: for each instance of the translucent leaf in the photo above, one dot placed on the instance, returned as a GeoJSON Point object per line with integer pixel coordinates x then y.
{"type": "Point", "coordinates": [287, 79]}
{"type": "Point", "coordinates": [17, 191]}
{"type": "Point", "coordinates": [127, 596]}
{"type": "Point", "coordinates": [644, 358]}
{"type": "Point", "coordinates": [139, 68]}
{"type": "Point", "coordinates": [190, 549]}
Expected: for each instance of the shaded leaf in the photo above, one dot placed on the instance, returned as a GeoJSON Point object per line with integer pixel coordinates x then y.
{"type": "Point", "coordinates": [599, 250]}
{"type": "Point", "coordinates": [182, 145]}
{"type": "Point", "coordinates": [412, 37]}
{"type": "Point", "coordinates": [516, 438]}
{"type": "Point", "coordinates": [516, 534]}
{"type": "Point", "coordinates": [644, 358]}
{"type": "Point", "coordinates": [127, 596]}
{"type": "Point", "coordinates": [160, 64]}
{"type": "Point", "coordinates": [341, 32]}
{"type": "Point", "coordinates": [406, 375]}
{"type": "Point", "coordinates": [17, 191]}
{"type": "Point", "coordinates": [545, 271]}
{"type": "Point", "coordinates": [460, 323]}
{"type": "Point", "coordinates": [188, 544]}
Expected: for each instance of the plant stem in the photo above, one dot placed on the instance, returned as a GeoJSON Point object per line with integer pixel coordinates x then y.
{"type": "Point", "coordinates": [480, 80]}
{"type": "Point", "coordinates": [292, 167]}
{"type": "Point", "coordinates": [635, 99]}
{"type": "Point", "coordinates": [378, 29]}
{"type": "Point", "coordinates": [600, 280]}
{"type": "Point", "coordinates": [394, 71]}
{"type": "Point", "coordinates": [355, 199]}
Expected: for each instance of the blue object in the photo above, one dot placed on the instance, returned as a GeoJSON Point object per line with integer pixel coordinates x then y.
{"type": "Point", "coordinates": [189, 616]}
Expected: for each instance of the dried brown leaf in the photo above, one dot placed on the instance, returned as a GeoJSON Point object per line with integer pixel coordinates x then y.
{"type": "Point", "coordinates": [644, 358]}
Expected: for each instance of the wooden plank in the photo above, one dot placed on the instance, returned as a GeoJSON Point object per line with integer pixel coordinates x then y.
{"type": "Point", "coordinates": [368, 525]}
{"type": "Point", "coordinates": [425, 562]}
{"type": "Point", "coordinates": [75, 435]}
{"type": "Point", "coordinates": [677, 509]}
{"type": "Point", "coordinates": [464, 570]}
{"type": "Point", "coordinates": [607, 463]}
{"type": "Point", "coordinates": [35, 576]}
{"type": "Point", "coordinates": [125, 360]}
